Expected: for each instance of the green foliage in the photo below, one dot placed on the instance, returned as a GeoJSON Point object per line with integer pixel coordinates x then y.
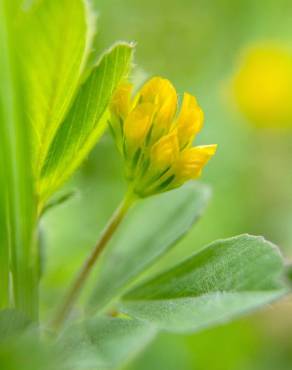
{"type": "Point", "coordinates": [55, 41]}
{"type": "Point", "coordinates": [61, 79]}
{"type": "Point", "coordinates": [103, 343]}
{"type": "Point", "coordinates": [161, 221]}
{"type": "Point", "coordinates": [17, 198]}
{"type": "Point", "coordinates": [226, 279]}
{"type": "Point", "coordinates": [54, 98]}
{"type": "Point", "coordinates": [46, 81]}
{"type": "Point", "coordinates": [86, 120]}
{"type": "Point", "coordinates": [4, 238]}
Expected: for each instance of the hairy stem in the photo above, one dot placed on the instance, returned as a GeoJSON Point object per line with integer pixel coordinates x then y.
{"type": "Point", "coordinates": [89, 263]}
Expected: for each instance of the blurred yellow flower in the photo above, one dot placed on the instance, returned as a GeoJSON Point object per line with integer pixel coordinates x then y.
{"type": "Point", "coordinates": [156, 143]}
{"type": "Point", "coordinates": [262, 85]}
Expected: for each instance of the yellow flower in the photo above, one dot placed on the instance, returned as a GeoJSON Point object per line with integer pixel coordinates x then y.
{"type": "Point", "coordinates": [162, 95]}
{"type": "Point", "coordinates": [262, 85]}
{"type": "Point", "coordinates": [190, 120]}
{"type": "Point", "coordinates": [192, 160]}
{"type": "Point", "coordinates": [121, 103]}
{"type": "Point", "coordinates": [164, 152]}
{"type": "Point", "coordinates": [137, 124]}
{"type": "Point", "coordinates": [155, 140]}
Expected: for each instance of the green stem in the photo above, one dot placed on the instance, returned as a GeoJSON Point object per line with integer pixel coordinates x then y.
{"type": "Point", "coordinates": [4, 261]}
{"type": "Point", "coordinates": [16, 172]}
{"type": "Point", "coordinates": [25, 273]}
{"type": "Point", "coordinates": [89, 263]}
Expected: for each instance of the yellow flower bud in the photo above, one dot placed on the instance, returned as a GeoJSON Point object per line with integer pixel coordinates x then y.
{"type": "Point", "coordinates": [121, 101]}
{"type": "Point", "coordinates": [155, 145]}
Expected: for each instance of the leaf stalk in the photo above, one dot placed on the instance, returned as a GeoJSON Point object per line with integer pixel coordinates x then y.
{"type": "Point", "coordinates": [84, 272]}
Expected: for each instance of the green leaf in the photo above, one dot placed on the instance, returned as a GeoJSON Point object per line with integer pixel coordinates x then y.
{"type": "Point", "coordinates": [86, 120]}
{"type": "Point", "coordinates": [17, 193]}
{"type": "Point", "coordinates": [152, 227]}
{"type": "Point", "coordinates": [4, 234]}
{"type": "Point", "coordinates": [226, 279]}
{"type": "Point", "coordinates": [103, 343]}
{"type": "Point", "coordinates": [54, 45]}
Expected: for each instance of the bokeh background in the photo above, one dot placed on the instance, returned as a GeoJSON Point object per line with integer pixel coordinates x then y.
{"type": "Point", "coordinates": [236, 57]}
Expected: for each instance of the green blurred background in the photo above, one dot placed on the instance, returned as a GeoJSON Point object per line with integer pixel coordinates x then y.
{"type": "Point", "coordinates": [197, 45]}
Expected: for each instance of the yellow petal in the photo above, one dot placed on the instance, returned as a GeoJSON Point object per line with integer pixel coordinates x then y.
{"type": "Point", "coordinates": [190, 120]}
{"type": "Point", "coordinates": [157, 90]}
{"type": "Point", "coordinates": [121, 101]}
{"type": "Point", "coordinates": [160, 92]}
{"type": "Point", "coordinates": [191, 161]}
{"type": "Point", "coordinates": [165, 151]}
{"type": "Point", "coordinates": [138, 123]}
{"type": "Point", "coordinates": [164, 118]}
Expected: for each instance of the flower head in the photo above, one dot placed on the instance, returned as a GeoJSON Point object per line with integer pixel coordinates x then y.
{"type": "Point", "coordinates": [262, 85]}
{"type": "Point", "coordinates": [155, 140]}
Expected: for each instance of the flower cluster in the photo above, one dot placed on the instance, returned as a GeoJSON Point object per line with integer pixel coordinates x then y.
{"type": "Point", "coordinates": [262, 85]}
{"type": "Point", "coordinates": [155, 141]}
